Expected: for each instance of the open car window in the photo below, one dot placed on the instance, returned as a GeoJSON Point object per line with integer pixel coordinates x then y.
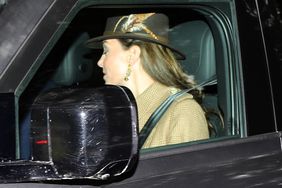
{"type": "Point", "coordinates": [201, 33]}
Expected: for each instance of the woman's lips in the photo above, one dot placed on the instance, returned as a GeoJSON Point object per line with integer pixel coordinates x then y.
{"type": "Point", "coordinates": [104, 77]}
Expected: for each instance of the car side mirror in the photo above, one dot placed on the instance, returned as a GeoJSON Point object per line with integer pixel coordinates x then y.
{"type": "Point", "coordinates": [85, 133]}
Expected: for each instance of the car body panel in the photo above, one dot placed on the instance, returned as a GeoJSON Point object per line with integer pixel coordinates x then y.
{"type": "Point", "coordinates": [231, 162]}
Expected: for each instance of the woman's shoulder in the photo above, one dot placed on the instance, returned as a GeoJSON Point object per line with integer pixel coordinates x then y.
{"type": "Point", "coordinates": [184, 98]}
{"type": "Point", "coordinates": [186, 108]}
{"type": "Point", "coordinates": [186, 101]}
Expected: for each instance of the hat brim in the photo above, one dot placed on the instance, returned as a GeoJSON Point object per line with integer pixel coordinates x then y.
{"type": "Point", "coordinates": [96, 42]}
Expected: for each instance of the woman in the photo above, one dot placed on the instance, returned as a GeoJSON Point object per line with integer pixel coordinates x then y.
{"type": "Point", "coordinates": [137, 55]}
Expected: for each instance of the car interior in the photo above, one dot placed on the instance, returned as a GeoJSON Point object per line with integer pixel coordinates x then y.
{"type": "Point", "coordinates": [70, 64]}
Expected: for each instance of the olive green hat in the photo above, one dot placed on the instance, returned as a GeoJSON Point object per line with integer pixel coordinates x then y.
{"type": "Point", "coordinates": [148, 27]}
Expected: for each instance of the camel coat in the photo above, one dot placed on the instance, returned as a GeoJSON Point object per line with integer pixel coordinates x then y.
{"type": "Point", "coordinates": [184, 120]}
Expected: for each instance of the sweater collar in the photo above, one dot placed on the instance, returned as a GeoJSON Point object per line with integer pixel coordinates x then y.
{"type": "Point", "coordinates": [152, 97]}
{"type": "Point", "coordinates": [154, 90]}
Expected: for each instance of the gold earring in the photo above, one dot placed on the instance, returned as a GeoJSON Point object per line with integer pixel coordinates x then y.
{"type": "Point", "coordinates": [128, 72]}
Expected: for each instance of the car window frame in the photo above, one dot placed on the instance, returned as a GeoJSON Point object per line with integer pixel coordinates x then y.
{"type": "Point", "coordinates": [219, 25]}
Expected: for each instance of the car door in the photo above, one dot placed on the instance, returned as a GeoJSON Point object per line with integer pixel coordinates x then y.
{"type": "Point", "coordinates": [222, 40]}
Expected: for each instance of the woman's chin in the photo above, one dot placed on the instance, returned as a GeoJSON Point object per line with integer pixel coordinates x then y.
{"type": "Point", "coordinates": [109, 83]}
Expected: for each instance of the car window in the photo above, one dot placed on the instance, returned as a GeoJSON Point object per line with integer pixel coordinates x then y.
{"type": "Point", "coordinates": [205, 40]}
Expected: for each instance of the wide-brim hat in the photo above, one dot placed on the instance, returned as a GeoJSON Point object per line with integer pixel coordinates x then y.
{"type": "Point", "coordinates": [148, 27]}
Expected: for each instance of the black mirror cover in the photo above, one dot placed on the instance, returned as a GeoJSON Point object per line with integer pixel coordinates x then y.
{"type": "Point", "coordinates": [86, 133]}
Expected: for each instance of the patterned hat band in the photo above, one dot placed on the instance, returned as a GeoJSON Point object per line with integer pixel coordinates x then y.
{"type": "Point", "coordinates": [148, 27]}
{"type": "Point", "coordinates": [139, 35]}
{"type": "Point", "coordinates": [135, 23]}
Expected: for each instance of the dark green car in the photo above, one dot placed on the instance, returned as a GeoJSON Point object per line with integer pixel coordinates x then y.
{"type": "Point", "coordinates": [47, 73]}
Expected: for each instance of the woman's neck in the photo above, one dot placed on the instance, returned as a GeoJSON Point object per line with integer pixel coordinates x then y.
{"type": "Point", "coordinates": [140, 83]}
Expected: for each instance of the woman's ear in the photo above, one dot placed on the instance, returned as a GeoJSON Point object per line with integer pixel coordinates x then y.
{"type": "Point", "coordinates": [134, 54]}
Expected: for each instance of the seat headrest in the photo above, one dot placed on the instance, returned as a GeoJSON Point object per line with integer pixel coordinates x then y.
{"type": "Point", "coordinates": [196, 42]}
{"type": "Point", "coordinates": [75, 67]}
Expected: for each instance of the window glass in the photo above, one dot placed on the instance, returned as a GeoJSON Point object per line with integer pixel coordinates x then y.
{"type": "Point", "coordinates": [70, 64]}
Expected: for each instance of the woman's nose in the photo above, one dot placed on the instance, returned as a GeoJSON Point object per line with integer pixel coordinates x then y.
{"type": "Point", "coordinates": [100, 62]}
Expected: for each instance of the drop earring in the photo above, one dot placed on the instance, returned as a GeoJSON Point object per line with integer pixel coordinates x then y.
{"type": "Point", "coordinates": [128, 72]}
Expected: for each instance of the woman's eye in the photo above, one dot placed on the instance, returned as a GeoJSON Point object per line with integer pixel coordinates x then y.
{"type": "Point", "coordinates": [105, 51]}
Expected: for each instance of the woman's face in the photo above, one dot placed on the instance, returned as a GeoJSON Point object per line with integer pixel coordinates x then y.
{"type": "Point", "coordinates": [114, 62]}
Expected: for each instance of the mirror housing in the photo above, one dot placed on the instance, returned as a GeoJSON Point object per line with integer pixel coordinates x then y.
{"type": "Point", "coordinates": [86, 133]}
{"type": "Point", "coordinates": [79, 134]}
